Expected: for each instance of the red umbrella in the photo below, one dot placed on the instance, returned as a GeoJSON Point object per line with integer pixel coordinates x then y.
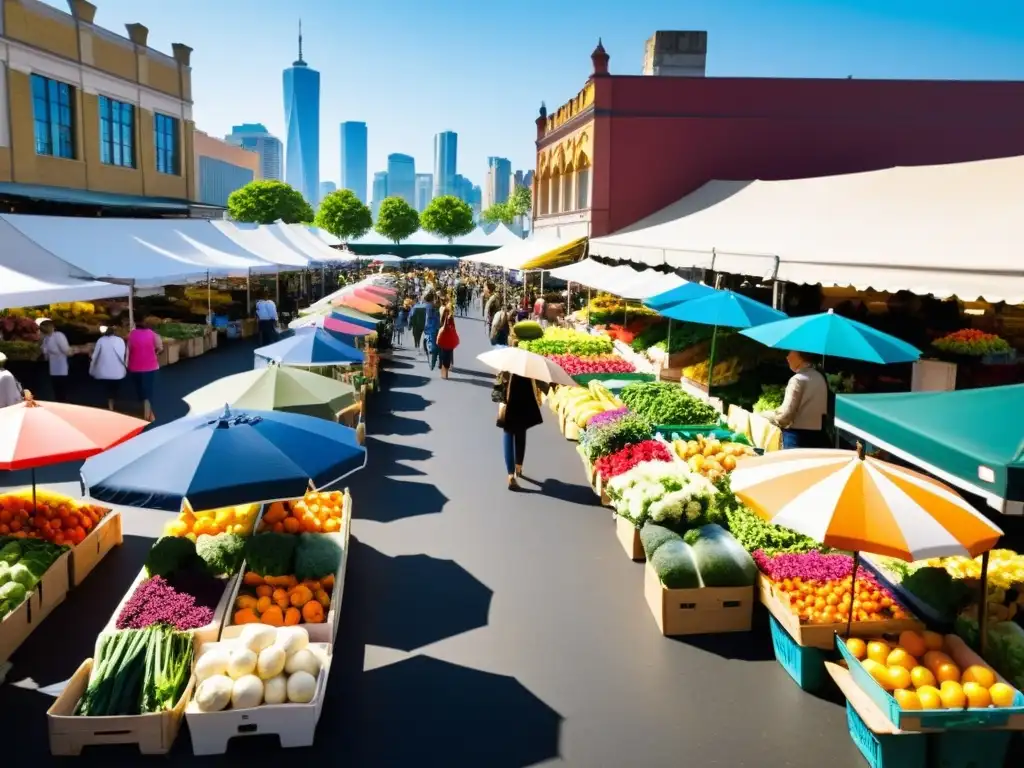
{"type": "Point", "coordinates": [36, 433]}
{"type": "Point", "coordinates": [349, 329]}
{"type": "Point", "coordinates": [387, 293]}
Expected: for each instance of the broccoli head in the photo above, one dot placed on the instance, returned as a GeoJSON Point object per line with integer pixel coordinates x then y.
{"type": "Point", "coordinates": [170, 555]}
{"type": "Point", "coordinates": [223, 553]}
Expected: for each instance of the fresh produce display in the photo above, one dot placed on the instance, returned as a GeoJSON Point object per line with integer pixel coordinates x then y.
{"type": "Point", "coordinates": [317, 511]}
{"type": "Point", "coordinates": [771, 398]}
{"type": "Point", "coordinates": [583, 403]}
{"type": "Point", "coordinates": [627, 333]}
{"type": "Point", "coordinates": [754, 534]}
{"type": "Point", "coordinates": [155, 602]}
{"type": "Point", "coordinates": [623, 460]}
{"type": "Point", "coordinates": [663, 492]}
{"type": "Point", "coordinates": [181, 331]}
{"type": "Point", "coordinates": [920, 673]}
{"type": "Point", "coordinates": [264, 665]}
{"type": "Point", "coordinates": [656, 331]}
{"type": "Point", "coordinates": [565, 341]}
{"type": "Point", "coordinates": [607, 417]}
{"type": "Point", "coordinates": [703, 557]}
{"type": "Point", "coordinates": [14, 328]}
{"type": "Point", "coordinates": [21, 350]}
{"type": "Point", "coordinates": [684, 336]}
{"type": "Point", "coordinates": [192, 524]}
{"type": "Point", "coordinates": [710, 456]}
{"type": "Point", "coordinates": [527, 330]}
{"type": "Point", "coordinates": [664, 403]}
{"type": "Point", "coordinates": [971, 342]}
{"type": "Point", "coordinates": [726, 372]}
{"type": "Point", "coordinates": [1005, 648]}
{"type": "Point", "coordinates": [137, 672]}
{"type": "Point", "coordinates": [819, 588]}
{"type": "Point", "coordinates": [22, 564]}
{"type": "Point", "coordinates": [609, 438]}
{"type": "Point", "coordinates": [223, 553]}
{"type": "Point", "coordinates": [575, 365]}
{"type": "Point", "coordinates": [55, 518]}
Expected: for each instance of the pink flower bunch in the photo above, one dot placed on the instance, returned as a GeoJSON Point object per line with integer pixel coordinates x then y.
{"type": "Point", "coordinates": [575, 365]}
{"type": "Point", "coordinates": [635, 453]}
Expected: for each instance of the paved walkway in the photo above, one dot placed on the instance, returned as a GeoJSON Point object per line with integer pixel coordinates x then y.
{"type": "Point", "coordinates": [481, 628]}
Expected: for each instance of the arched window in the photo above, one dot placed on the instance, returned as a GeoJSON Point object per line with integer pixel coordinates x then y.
{"type": "Point", "coordinates": [568, 176]}
{"type": "Point", "coordinates": [582, 182]}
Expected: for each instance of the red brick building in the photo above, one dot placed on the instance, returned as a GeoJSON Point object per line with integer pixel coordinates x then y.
{"type": "Point", "coordinates": [627, 146]}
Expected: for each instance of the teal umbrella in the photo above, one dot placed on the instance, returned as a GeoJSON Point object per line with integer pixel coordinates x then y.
{"type": "Point", "coordinates": [677, 295]}
{"type": "Point", "coordinates": [723, 308]}
{"type": "Point", "coordinates": [832, 335]}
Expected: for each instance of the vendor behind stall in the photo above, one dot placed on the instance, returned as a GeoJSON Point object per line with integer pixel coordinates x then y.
{"type": "Point", "coordinates": [801, 417]}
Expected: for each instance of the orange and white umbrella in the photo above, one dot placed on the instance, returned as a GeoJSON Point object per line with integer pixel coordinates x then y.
{"type": "Point", "coordinates": [848, 501]}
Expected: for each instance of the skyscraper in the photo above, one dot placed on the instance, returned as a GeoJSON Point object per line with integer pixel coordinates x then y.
{"type": "Point", "coordinates": [499, 179]}
{"type": "Point", "coordinates": [353, 158]}
{"type": "Point", "coordinates": [256, 138]}
{"type": "Point", "coordinates": [424, 190]}
{"type": "Point", "coordinates": [380, 190]}
{"type": "Point", "coordinates": [402, 177]}
{"type": "Point", "coordinates": [302, 127]}
{"type": "Point", "coordinates": [446, 149]}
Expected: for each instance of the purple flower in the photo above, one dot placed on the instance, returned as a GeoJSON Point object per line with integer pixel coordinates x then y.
{"type": "Point", "coordinates": [157, 602]}
{"type": "Point", "coordinates": [607, 417]}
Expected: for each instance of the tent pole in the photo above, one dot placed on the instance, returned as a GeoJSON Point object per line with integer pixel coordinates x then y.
{"type": "Point", "coordinates": [323, 281]}
{"type": "Point", "coordinates": [248, 291]}
{"type": "Point", "coordinates": [209, 300]}
{"type": "Point", "coordinates": [277, 288]}
{"type": "Point", "coordinates": [588, 307]}
{"type": "Point", "coordinates": [131, 305]}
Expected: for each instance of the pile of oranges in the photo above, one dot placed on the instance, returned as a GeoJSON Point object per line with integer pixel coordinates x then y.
{"type": "Point", "coordinates": [832, 602]}
{"type": "Point", "coordinates": [316, 512]}
{"type": "Point", "coordinates": [57, 519]}
{"type": "Point", "coordinates": [920, 674]}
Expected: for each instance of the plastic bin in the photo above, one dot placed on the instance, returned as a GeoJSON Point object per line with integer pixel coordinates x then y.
{"type": "Point", "coordinates": [585, 378]}
{"type": "Point", "coordinates": [968, 749]}
{"type": "Point", "coordinates": [886, 750]}
{"type": "Point", "coordinates": [805, 665]}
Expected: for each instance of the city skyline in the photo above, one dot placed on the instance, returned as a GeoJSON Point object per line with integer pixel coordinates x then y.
{"type": "Point", "coordinates": [354, 170]}
{"type": "Point", "coordinates": [301, 91]}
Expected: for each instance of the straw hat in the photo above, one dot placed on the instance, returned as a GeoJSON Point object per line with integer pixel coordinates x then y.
{"type": "Point", "coordinates": [3, 358]}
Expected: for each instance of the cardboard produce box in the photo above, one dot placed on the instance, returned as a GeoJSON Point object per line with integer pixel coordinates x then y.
{"type": "Point", "coordinates": [705, 610]}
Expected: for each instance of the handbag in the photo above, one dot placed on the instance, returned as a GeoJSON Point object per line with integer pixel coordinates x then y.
{"type": "Point", "coordinates": [448, 338]}
{"type": "Point", "coordinates": [503, 405]}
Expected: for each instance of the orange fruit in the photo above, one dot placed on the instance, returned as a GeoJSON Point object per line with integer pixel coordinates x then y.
{"type": "Point", "coordinates": [921, 676]}
{"type": "Point", "coordinates": [899, 677]}
{"type": "Point", "coordinates": [900, 658]}
{"type": "Point", "coordinates": [933, 641]}
{"type": "Point", "coordinates": [1001, 694]}
{"type": "Point", "coordinates": [912, 642]}
{"type": "Point", "coordinates": [977, 673]}
{"type": "Point", "coordinates": [947, 671]}
{"type": "Point", "coordinates": [932, 660]}
{"type": "Point", "coordinates": [928, 695]}
{"type": "Point", "coordinates": [977, 695]}
{"type": "Point", "coordinates": [907, 699]}
{"type": "Point", "coordinates": [952, 695]}
{"type": "Point", "coordinates": [878, 651]}
{"type": "Point", "coordinates": [879, 672]}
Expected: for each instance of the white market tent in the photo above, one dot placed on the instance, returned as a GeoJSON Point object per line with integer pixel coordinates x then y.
{"type": "Point", "coordinates": [312, 241]}
{"type": "Point", "coordinates": [499, 236]}
{"type": "Point", "coordinates": [320, 234]}
{"type": "Point", "coordinates": [418, 238]}
{"type": "Point", "coordinates": [261, 241]}
{"type": "Point", "coordinates": [30, 275]}
{"type": "Point", "coordinates": [585, 272]}
{"type": "Point", "coordinates": [520, 254]}
{"type": "Point", "coordinates": [945, 230]}
{"type": "Point", "coordinates": [147, 252]}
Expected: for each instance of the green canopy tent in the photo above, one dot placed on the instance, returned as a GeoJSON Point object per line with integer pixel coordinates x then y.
{"type": "Point", "coordinates": [972, 439]}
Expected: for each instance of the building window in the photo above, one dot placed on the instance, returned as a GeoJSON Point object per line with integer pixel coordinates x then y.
{"type": "Point", "coordinates": [583, 188]}
{"type": "Point", "coordinates": [567, 200]}
{"type": "Point", "coordinates": [117, 133]}
{"type": "Point", "coordinates": [167, 155]}
{"type": "Point", "coordinates": [54, 118]}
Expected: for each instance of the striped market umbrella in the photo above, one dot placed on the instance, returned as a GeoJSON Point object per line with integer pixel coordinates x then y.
{"type": "Point", "coordinates": [362, 305]}
{"type": "Point", "coordinates": [849, 501]}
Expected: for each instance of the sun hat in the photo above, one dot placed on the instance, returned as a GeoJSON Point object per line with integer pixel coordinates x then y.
{"type": "Point", "coordinates": [3, 358]}
{"type": "Point", "coordinates": [41, 320]}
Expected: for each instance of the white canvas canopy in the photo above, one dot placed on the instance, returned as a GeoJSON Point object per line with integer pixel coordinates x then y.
{"type": "Point", "coordinates": [943, 229]}
{"type": "Point", "coordinates": [148, 252]}
{"type": "Point", "coordinates": [261, 241]}
{"type": "Point", "coordinates": [500, 235]}
{"type": "Point", "coordinates": [519, 254]}
{"type": "Point", "coordinates": [418, 238]}
{"type": "Point", "coordinates": [30, 275]}
{"type": "Point", "coordinates": [585, 272]}
{"type": "Point", "coordinates": [315, 244]}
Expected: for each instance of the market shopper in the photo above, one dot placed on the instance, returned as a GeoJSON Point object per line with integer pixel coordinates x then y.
{"type": "Point", "coordinates": [518, 410]}
{"type": "Point", "coordinates": [56, 351]}
{"type": "Point", "coordinates": [501, 325]}
{"type": "Point", "coordinates": [10, 389]}
{"type": "Point", "coordinates": [266, 320]}
{"type": "Point", "coordinates": [109, 362]}
{"type": "Point", "coordinates": [447, 340]}
{"type": "Point", "coordinates": [401, 321]}
{"type": "Point", "coordinates": [431, 327]}
{"type": "Point", "coordinates": [144, 346]}
{"type": "Point", "coordinates": [417, 322]}
{"type": "Point", "coordinates": [801, 417]}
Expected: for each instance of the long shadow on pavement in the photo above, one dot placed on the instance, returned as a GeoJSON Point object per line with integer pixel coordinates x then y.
{"type": "Point", "coordinates": [755, 645]}
{"type": "Point", "coordinates": [470, 372]}
{"type": "Point", "coordinates": [573, 493]}
{"type": "Point", "coordinates": [406, 401]}
{"type": "Point", "coordinates": [388, 457]}
{"type": "Point", "coordinates": [393, 381]}
{"type": "Point", "coordinates": [417, 599]}
{"type": "Point", "coordinates": [385, 500]}
{"type": "Point", "coordinates": [389, 424]}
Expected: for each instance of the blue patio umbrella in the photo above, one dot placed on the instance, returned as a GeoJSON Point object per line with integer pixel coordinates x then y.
{"type": "Point", "coordinates": [315, 347]}
{"type": "Point", "coordinates": [723, 308]}
{"type": "Point", "coordinates": [832, 335]}
{"type": "Point", "coordinates": [218, 460]}
{"type": "Point", "coordinates": [677, 295]}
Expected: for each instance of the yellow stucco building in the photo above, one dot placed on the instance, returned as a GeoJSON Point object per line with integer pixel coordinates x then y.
{"type": "Point", "coordinates": [90, 118]}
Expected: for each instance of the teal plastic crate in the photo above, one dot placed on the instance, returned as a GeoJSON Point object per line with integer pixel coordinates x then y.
{"type": "Point", "coordinates": [937, 719]}
{"type": "Point", "coordinates": [805, 665]}
{"type": "Point", "coordinates": [886, 750]}
{"type": "Point", "coordinates": [585, 378]}
{"type": "Point", "coordinates": [968, 749]}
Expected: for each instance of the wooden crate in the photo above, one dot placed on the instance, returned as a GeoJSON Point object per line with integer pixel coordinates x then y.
{"type": "Point", "coordinates": [318, 633]}
{"type": "Point", "coordinates": [293, 724]}
{"type": "Point", "coordinates": [823, 635]}
{"type": "Point", "coordinates": [15, 628]}
{"type": "Point", "coordinates": [154, 734]}
{"type": "Point", "coordinates": [629, 537]}
{"type": "Point", "coordinates": [170, 354]}
{"type": "Point", "coordinates": [705, 610]}
{"type": "Point", "coordinates": [52, 589]}
{"type": "Point", "coordinates": [94, 547]}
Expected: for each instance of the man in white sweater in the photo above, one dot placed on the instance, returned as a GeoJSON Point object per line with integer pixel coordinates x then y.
{"type": "Point", "coordinates": [10, 389]}
{"type": "Point", "coordinates": [801, 417]}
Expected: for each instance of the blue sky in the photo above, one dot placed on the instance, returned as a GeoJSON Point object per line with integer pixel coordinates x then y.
{"type": "Point", "coordinates": [410, 68]}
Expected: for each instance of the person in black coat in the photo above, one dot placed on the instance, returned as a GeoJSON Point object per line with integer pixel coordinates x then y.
{"type": "Point", "coordinates": [521, 400]}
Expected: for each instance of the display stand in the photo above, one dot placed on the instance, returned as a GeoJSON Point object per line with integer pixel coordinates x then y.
{"type": "Point", "coordinates": [699, 611]}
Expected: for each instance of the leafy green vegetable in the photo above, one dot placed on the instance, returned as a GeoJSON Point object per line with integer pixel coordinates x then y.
{"type": "Point", "coordinates": [316, 556]}
{"type": "Point", "coordinates": [180, 331]}
{"type": "Point", "coordinates": [223, 553]}
{"type": "Point", "coordinates": [650, 336]}
{"type": "Point", "coordinates": [170, 555]}
{"type": "Point", "coordinates": [771, 398]}
{"type": "Point", "coordinates": [271, 554]}
{"type": "Point", "coordinates": [1004, 650]}
{"type": "Point", "coordinates": [614, 436]}
{"type": "Point", "coordinates": [652, 536]}
{"type": "Point", "coordinates": [663, 403]}
{"type": "Point", "coordinates": [686, 335]}
{"type": "Point", "coordinates": [753, 533]}
{"type": "Point", "coordinates": [936, 588]}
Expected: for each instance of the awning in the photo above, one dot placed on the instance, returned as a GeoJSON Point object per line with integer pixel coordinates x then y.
{"type": "Point", "coordinates": [418, 238]}
{"type": "Point", "coordinates": [585, 272]}
{"type": "Point", "coordinates": [942, 229]}
{"type": "Point", "coordinates": [311, 244]}
{"type": "Point", "coordinates": [499, 236]}
{"type": "Point", "coordinates": [30, 275]}
{"type": "Point", "coordinates": [260, 241]}
{"type": "Point", "coordinates": [540, 252]}
{"type": "Point", "coordinates": [150, 252]}
{"type": "Point", "coordinates": [971, 438]}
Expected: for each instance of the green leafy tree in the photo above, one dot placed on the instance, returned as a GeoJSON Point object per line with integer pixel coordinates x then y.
{"type": "Point", "coordinates": [499, 213]}
{"type": "Point", "coordinates": [396, 219]}
{"type": "Point", "coordinates": [520, 203]}
{"type": "Point", "coordinates": [448, 217]}
{"type": "Point", "coordinates": [264, 202]}
{"type": "Point", "coordinates": [344, 215]}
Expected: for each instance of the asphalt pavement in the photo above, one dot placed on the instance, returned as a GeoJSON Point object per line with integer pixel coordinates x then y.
{"type": "Point", "coordinates": [481, 628]}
